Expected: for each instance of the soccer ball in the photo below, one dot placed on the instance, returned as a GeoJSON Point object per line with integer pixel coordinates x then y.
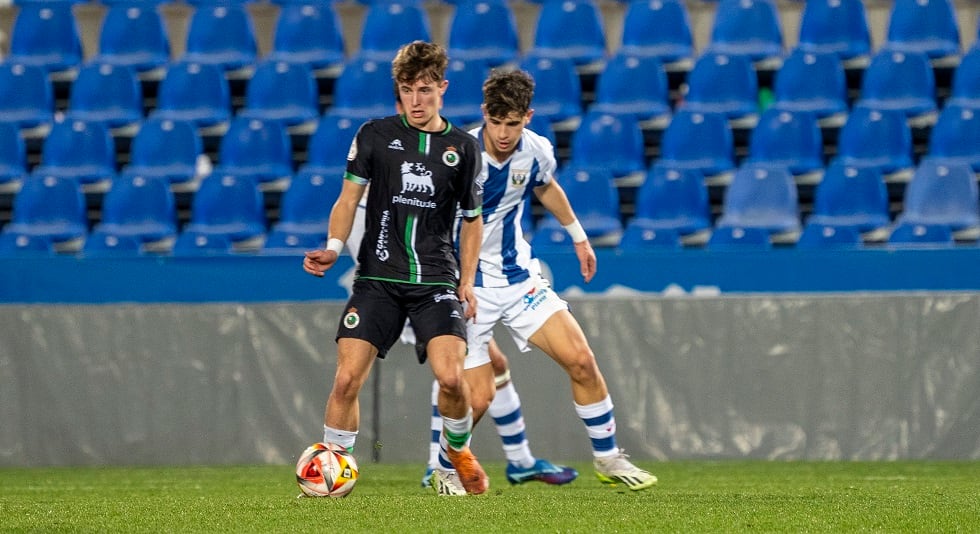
{"type": "Point", "coordinates": [326, 470]}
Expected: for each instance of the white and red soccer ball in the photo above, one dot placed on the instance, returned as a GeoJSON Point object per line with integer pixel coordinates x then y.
{"type": "Point", "coordinates": [326, 470]}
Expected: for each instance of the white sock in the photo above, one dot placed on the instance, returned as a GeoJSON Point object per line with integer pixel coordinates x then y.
{"type": "Point", "coordinates": [344, 438]}
{"type": "Point", "coordinates": [600, 425]}
{"type": "Point", "coordinates": [435, 427]}
{"type": "Point", "coordinates": [506, 413]}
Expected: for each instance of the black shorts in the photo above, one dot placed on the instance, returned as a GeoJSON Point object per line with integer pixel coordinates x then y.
{"type": "Point", "coordinates": [376, 313]}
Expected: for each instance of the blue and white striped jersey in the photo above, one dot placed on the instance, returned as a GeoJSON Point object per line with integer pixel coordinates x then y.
{"type": "Point", "coordinates": [505, 257]}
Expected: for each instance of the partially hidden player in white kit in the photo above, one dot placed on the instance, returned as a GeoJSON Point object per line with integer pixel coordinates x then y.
{"type": "Point", "coordinates": [509, 286]}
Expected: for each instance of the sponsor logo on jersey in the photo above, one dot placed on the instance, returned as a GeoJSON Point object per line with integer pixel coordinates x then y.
{"type": "Point", "coordinates": [417, 179]}
{"type": "Point", "coordinates": [381, 249]}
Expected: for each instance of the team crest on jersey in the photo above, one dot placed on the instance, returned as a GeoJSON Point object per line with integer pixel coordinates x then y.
{"type": "Point", "coordinates": [518, 177]}
{"type": "Point", "coordinates": [450, 157]}
{"type": "Point", "coordinates": [417, 179]}
{"type": "Point", "coordinates": [396, 144]}
{"type": "Point", "coordinates": [352, 319]}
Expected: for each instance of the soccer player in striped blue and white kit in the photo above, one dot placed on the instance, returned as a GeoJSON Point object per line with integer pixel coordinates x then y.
{"type": "Point", "coordinates": [509, 285]}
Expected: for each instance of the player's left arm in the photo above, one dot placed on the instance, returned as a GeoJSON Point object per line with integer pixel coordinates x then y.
{"type": "Point", "coordinates": [553, 198]}
{"type": "Point", "coordinates": [470, 239]}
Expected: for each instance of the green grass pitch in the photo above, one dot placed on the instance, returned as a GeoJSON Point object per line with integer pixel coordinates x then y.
{"type": "Point", "coordinates": [692, 496]}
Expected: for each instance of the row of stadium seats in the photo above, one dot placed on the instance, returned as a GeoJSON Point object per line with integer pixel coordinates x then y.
{"type": "Point", "coordinates": [672, 208]}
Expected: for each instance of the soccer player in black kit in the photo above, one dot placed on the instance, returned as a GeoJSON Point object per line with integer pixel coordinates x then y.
{"type": "Point", "coordinates": [420, 169]}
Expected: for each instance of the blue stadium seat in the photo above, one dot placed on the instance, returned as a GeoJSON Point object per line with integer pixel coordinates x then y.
{"type": "Point", "coordinates": [814, 82]}
{"type": "Point", "coordinates": [45, 34]}
{"type": "Point", "coordinates": [660, 29]}
{"type": "Point", "coordinates": [309, 32]}
{"type": "Point", "coordinates": [912, 235]}
{"type": "Point", "coordinates": [925, 26]}
{"type": "Point", "coordinates": [281, 243]}
{"type": "Point", "coordinates": [614, 142]}
{"type": "Point", "coordinates": [109, 94]}
{"type": "Point", "coordinates": [636, 237]}
{"type": "Point", "coordinates": [724, 83]}
{"type": "Point", "coordinates": [739, 238]}
{"type": "Point", "coordinates": [328, 146]}
{"type": "Point", "coordinates": [285, 92]}
{"type": "Point", "coordinates": [13, 158]}
{"type": "Point", "coordinates": [943, 193]}
{"type": "Point", "coordinates": [878, 138]}
{"type": "Point", "coordinates": [196, 92]}
{"type": "Point", "coordinates": [191, 243]}
{"type": "Point", "coordinates": [133, 35]}
{"type": "Point", "coordinates": [26, 98]}
{"type": "Point", "coordinates": [965, 88]}
{"type": "Point", "coordinates": [389, 25]}
{"type": "Point", "coordinates": [634, 85]}
{"type": "Point", "coordinates": [52, 207]}
{"type": "Point", "coordinates": [21, 245]}
{"type": "Point", "coordinates": [791, 139]}
{"type": "Point", "coordinates": [839, 27]}
{"type": "Point", "coordinates": [671, 199]}
{"type": "Point", "coordinates": [762, 196]}
{"type": "Point", "coordinates": [223, 35]}
{"type": "Point", "coordinates": [956, 136]}
{"type": "Point", "coordinates": [821, 236]}
{"type": "Point", "coordinates": [363, 90]}
{"type": "Point", "coordinates": [902, 81]}
{"type": "Point", "coordinates": [702, 141]}
{"type": "Point", "coordinates": [461, 104]}
{"type": "Point", "coordinates": [232, 206]}
{"type": "Point", "coordinates": [103, 244]}
{"type": "Point", "coordinates": [81, 151]}
{"type": "Point", "coordinates": [594, 196]}
{"type": "Point", "coordinates": [571, 29]}
{"type": "Point", "coordinates": [305, 206]}
{"type": "Point", "coordinates": [169, 150]}
{"type": "Point", "coordinates": [484, 30]}
{"type": "Point", "coordinates": [557, 91]}
{"type": "Point", "coordinates": [257, 148]}
{"type": "Point", "coordinates": [748, 28]}
{"type": "Point", "coordinates": [142, 208]}
{"type": "Point", "coordinates": [852, 196]}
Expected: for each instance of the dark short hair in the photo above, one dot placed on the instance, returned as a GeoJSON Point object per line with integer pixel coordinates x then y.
{"type": "Point", "coordinates": [419, 60]}
{"type": "Point", "coordinates": [508, 91]}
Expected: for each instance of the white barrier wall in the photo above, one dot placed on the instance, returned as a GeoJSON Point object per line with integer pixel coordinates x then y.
{"type": "Point", "coordinates": [857, 376]}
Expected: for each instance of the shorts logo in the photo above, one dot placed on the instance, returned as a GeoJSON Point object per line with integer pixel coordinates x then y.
{"type": "Point", "coordinates": [533, 298]}
{"type": "Point", "coordinates": [352, 319]}
{"type": "Point", "coordinates": [449, 295]}
{"type": "Point", "coordinates": [450, 157]}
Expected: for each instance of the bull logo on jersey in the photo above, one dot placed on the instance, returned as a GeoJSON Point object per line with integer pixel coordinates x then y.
{"type": "Point", "coordinates": [417, 179]}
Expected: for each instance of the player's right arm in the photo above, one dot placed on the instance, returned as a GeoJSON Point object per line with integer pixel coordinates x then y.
{"type": "Point", "coordinates": [317, 262]}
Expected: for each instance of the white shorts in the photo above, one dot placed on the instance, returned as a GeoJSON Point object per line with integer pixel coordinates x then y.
{"type": "Point", "coordinates": [523, 308]}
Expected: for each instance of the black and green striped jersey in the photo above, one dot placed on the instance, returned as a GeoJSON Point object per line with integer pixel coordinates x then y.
{"type": "Point", "coordinates": [417, 180]}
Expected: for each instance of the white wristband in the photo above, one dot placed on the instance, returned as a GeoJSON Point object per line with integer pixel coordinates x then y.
{"type": "Point", "coordinates": [335, 245]}
{"type": "Point", "coordinates": [576, 231]}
